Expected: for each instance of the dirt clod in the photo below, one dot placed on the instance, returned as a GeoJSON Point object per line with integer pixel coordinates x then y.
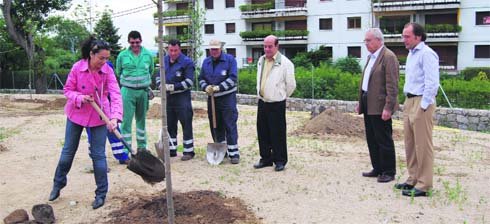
{"type": "Point", "coordinates": [3, 148]}
{"type": "Point", "coordinates": [17, 216]}
{"type": "Point", "coordinates": [43, 213]}
{"type": "Point", "coordinates": [190, 207]}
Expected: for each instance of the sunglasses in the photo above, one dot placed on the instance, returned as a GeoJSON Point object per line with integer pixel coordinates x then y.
{"type": "Point", "coordinates": [134, 42]}
{"type": "Point", "coordinates": [100, 44]}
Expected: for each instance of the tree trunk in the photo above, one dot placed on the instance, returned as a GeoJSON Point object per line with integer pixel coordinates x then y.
{"type": "Point", "coordinates": [26, 41]}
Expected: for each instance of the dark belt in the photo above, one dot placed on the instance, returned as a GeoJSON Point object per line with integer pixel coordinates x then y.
{"type": "Point", "coordinates": [409, 95]}
{"type": "Point", "coordinates": [136, 88]}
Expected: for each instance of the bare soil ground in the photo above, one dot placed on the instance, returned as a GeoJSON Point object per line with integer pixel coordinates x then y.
{"type": "Point", "coordinates": [321, 183]}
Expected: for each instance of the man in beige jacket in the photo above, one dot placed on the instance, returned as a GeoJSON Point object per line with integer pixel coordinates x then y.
{"type": "Point", "coordinates": [275, 82]}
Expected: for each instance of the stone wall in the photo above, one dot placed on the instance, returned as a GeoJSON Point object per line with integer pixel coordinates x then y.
{"type": "Point", "coordinates": [467, 119]}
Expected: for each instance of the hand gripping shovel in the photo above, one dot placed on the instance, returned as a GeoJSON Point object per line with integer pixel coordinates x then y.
{"type": "Point", "coordinates": [215, 153]}
{"type": "Point", "coordinates": [143, 163]}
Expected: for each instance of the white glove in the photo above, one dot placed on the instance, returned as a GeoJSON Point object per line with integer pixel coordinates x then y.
{"type": "Point", "coordinates": [169, 87]}
{"type": "Point", "coordinates": [215, 89]}
{"type": "Point", "coordinates": [209, 90]}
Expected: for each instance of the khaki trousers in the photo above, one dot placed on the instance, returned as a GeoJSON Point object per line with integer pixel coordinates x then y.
{"type": "Point", "coordinates": [418, 125]}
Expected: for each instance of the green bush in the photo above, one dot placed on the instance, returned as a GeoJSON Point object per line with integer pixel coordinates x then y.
{"type": "Point", "coordinates": [278, 33]}
{"type": "Point", "coordinates": [442, 28]}
{"type": "Point", "coordinates": [253, 7]}
{"type": "Point", "coordinates": [471, 72]}
{"type": "Point", "coordinates": [329, 82]}
{"type": "Point", "coordinates": [170, 13]}
{"type": "Point", "coordinates": [348, 64]}
{"type": "Point", "coordinates": [312, 58]}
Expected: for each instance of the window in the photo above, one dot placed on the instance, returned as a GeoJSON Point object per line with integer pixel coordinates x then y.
{"type": "Point", "coordinates": [230, 3]}
{"type": "Point", "coordinates": [482, 18]}
{"type": "Point", "coordinates": [482, 51]}
{"type": "Point", "coordinates": [262, 26]}
{"type": "Point", "coordinates": [231, 51]}
{"type": "Point", "coordinates": [354, 52]}
{"type": "Point", "coordinates": [326, 24]}
{"type": "Point", "coordinates": [393, 24]}
{"type": "Point", "coordinates": [354, 22]}
{"type": "Point", "coordinates": [208, 4]}
{"type": "Point", "coordinates": [209, 29]}
{"type": "Point", "coordinates": [295, 25]}
{"type": "Point", "coordinates": [328, 50]}
{"type": "Point", "coordinates": [182, 6]}
{"type": "Point", "coordinates": [230, 27]}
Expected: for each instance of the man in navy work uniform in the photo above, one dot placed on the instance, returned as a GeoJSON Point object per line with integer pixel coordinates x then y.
{"type": "Point", "coordinates": [179, 79]}
{"type": "Point", "coordinates": [218, 79]}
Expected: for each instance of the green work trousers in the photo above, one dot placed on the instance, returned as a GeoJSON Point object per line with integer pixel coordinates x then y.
{"type": "Point", "coordinates": [135, 103]}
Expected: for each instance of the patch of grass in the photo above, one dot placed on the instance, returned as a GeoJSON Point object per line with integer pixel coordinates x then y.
{"type": "Point", "coordinates": [439, 170]}
{"type": "Point", "coordinates": [455, 193]}
{"type": "Point", "coordinates": [7, 133]}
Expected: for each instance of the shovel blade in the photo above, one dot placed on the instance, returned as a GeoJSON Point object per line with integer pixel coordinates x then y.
{"type": "Point", "coordinates": [150, 168]}
{"type": "Point", "coordinates": [215, 153]}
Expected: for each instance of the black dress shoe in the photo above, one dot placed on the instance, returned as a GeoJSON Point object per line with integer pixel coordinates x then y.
{"type": "Point", "coordinates": [370, 174]}
{"type": "Point", "coordinates": [279, 167]}
{"type": "Point", "coordinates": [98, 202]}
{"type": "Point", "coordinates": [385, 178]}
{"type": "Point", "coordinates": [415, 192]}
{"type": "Point", "coordinates": [55, 193]}
{"type": "Point", "coordinates": [403, 186]}
{"type": "Point", "coordinates": [261, 164]}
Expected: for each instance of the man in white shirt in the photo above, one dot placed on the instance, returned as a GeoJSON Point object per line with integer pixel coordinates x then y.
{"type": "Point", "coordinates": [275, 82]}
{"type": "Point", "coordinates": [378, 93]}
{"type": "Point", "coordinates": [421, 85]}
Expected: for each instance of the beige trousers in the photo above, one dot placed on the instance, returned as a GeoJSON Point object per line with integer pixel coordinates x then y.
{"type": "Point", "coordinates": [418, 125]}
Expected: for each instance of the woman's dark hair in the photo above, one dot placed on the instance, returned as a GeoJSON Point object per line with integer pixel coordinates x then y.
{"type": "Point", "coordinates": [418, 30]}
{"type": "Point", "coordinates": [92, 45]}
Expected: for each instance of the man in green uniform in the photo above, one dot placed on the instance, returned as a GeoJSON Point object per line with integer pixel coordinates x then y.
{"type": "Point", "coordinates": [134, 67]}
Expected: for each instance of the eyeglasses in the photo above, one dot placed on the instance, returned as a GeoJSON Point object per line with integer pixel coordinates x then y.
{"type": "Point", "coordinates": [134, 42]}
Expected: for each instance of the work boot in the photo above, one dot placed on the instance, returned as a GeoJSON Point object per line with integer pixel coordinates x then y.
{"type": "Point", "coordinates": [187, 156]}
{"type": "Point", "coordinates": [173, 153]}
{"type": "Point", "coordinates": [235, 160]}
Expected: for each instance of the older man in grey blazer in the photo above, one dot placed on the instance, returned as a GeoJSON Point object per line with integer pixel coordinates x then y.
{"type": "Point", "coordinates": [378, 90]}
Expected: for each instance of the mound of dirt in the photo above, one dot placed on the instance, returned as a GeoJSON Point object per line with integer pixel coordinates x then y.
{"type": "Point", "coordinates": [155, 112]}
{"type": "Point", "coordinates": [191, 207]}
{"type": "Point", "coordinates": [333, 122]}
{"type": "Point", "coordinates": [58, 103]}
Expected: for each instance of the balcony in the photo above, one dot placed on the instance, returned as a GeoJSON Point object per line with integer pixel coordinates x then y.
{"type": "Point", "coordinates": [274, 9]}
{"type": "Point", "coordinates": [175, 17]}
{"type": "Point", "coordinates": [413, 5]}
{"type": "Point", "coordinates": [291, 36]}
{"type": "Point", "coordinates": [183, 38]}
{"type": "Point", "coordinates": [435, 33]}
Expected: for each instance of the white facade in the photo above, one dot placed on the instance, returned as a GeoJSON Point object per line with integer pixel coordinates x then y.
{"type": "Point", "coordinates": [340, 37]}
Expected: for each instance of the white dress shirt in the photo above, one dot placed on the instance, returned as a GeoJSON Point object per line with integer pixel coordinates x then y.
{"type": "Point", "coordinates": [369, 67]}
{"type": "Point", "coordinates": [422, 74]}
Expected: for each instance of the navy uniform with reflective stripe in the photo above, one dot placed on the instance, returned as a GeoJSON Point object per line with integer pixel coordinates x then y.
{"type": "Point", "coordinates": [222, 73]}
{"type": "Point", "coordinates": [179, 105]}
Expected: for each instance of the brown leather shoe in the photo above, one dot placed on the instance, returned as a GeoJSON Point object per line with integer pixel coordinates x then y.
{"type": "Point", "coordinates": [384, 178]}
{"type": "Point", "coordinates": [370, 174]}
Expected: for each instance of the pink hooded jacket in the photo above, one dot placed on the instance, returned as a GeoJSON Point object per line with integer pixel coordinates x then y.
{"type": "Point", "coordinates": [81, 82]}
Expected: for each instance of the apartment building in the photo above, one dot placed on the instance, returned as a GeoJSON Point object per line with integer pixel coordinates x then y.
{"type": "Point", "coordinates": [458, 30]}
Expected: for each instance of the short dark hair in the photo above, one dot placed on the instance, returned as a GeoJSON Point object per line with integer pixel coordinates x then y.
{"type": "Point", "coordinates": [134, 35]}
{"type": "Point", "coordinates": [418, 30]}
{"type": "Point", "coordinates": [92, 45]}
{"type": "Point", "coordinates": [174, 42]}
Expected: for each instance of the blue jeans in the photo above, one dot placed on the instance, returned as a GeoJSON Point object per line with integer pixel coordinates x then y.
{"type": "Point", "coordinates": [97, 138]}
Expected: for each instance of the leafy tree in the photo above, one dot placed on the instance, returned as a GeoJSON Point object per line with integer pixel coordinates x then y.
{"type": "Point", "coordinates": [12, 57]}
{"type": "Point", "coordinates": [348, 64]}
{"type": "Point", "coordinates": [67, 34]}
{"type": "Point", "coordinates": [105, 30]}
{"type": "Point", "coordinates": [23, 18]}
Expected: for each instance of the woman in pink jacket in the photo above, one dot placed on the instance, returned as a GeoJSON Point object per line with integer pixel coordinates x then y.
{"type": "Point", "coordinates": [90, 79]}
